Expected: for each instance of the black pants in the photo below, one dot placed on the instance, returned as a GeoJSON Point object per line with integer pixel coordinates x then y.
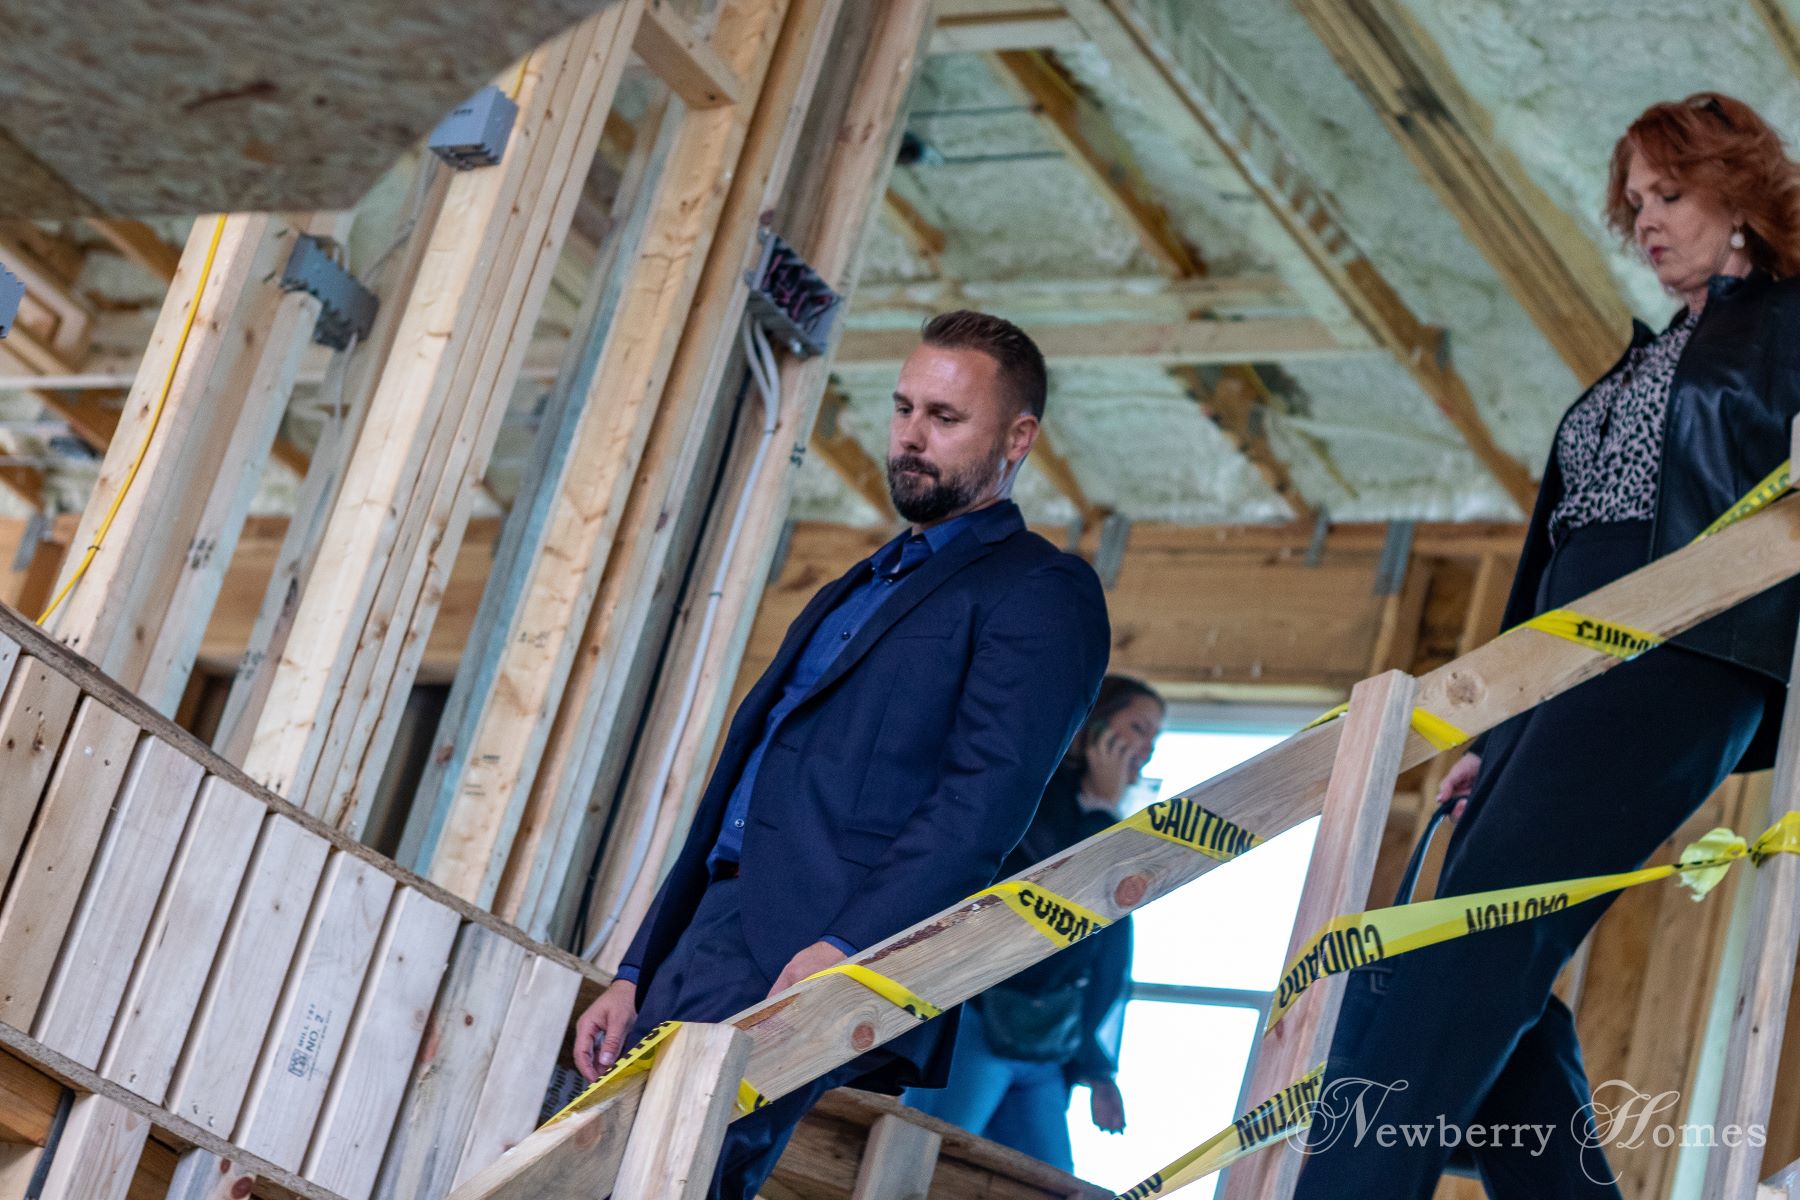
{"type": "Point", "coordinates": [1466, 1033]}
{"type": "Point", "coordinates": [710, 976]}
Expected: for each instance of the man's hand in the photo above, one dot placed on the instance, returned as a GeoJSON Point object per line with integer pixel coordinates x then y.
{"type": "Point", "coordinates": [603, 1027]}
{"type": "Point", "coordinates": [810, 961]}
{"type": "Point", "coordinates": [1458, 783]}
{"type": "Point", "coordinates": [1106, 1105]}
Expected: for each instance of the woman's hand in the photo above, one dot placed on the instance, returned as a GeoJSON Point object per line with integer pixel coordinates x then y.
{"type": "Point", "coordinates": [1458, 782]}
{"type": "Point", "coordinates": [1110, 768]}
{"type": "Point", "coordinates": [1106, 1105]}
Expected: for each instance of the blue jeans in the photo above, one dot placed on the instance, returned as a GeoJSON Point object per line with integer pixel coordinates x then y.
{"type": "Point", "coordinates": [1019, 1104]}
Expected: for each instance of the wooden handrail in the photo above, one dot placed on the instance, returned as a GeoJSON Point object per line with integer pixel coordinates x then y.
{"type": "Point", "coordinates": [820, 1024]}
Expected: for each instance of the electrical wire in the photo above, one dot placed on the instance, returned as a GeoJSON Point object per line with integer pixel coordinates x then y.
{"type": "Point", "coordinates": [162, 399]}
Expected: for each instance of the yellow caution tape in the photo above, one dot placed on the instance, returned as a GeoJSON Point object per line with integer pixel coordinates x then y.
{"type": "Point", "coordinates": [1596, 633]}
{"type": "Point", "coordinates": [894, 993]}
{"type": "Point", "coordinates": [1180, 820]}
{"type": "Point", "coordinates": [1434, 729]}
{"type": "Point", "coordinates": [1281, 1115]}
{"type": "Point", "coordinates": [1358, 939]}
{"type": "Point", "coordinates": [1056, 917]}
{"type": "Point", "coordinates": [1755, 500]}
{"type": "Point", "coordinates": [634, 1061]}
{"type": "Point", "coordinates": [748, 1098]}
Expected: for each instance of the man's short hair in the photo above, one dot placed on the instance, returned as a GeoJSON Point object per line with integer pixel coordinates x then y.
{"type": "Point", "coordinates": [1021, 362]}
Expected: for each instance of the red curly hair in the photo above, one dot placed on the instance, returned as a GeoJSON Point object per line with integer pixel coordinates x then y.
{"type": "Point", "coordinates": [1721, 147]}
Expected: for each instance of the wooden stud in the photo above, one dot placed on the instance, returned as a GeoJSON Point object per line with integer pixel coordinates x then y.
{"type": "Point", "coordinates": [359, 629]}
{"type": "Point", "coordinates": [54, 865]}
{"type": "Point", "coordinates": [1337, 881]}
{"type": "Point", "coordinates": [686, 61]}
{"type": "Point", "coordinates": [924, 239]}
{"type": "Point", "coordinates": [148, 822]}
{"type": "Point", "coordinates": [963, 950]}
{"type": "Point", "coordinates": [1233, 404]}
{"type": "Point", "coordinates": [97, 1153]}
{"type": "Point", "coordinates": [1035, 27]}
{"type": "Point", "coordinates": [618, 647]}
{"type": "Point", "coordinates": [498, 716]}
{"type": "Point", "coordinates": [846, 457]}
{"type": "Point", "coordinates": [203, 1175]}
{"type": "Point", "coordinates": [34, 716]}
{"type": "Point", "coordinates": [444, 1090]}
{"type": "Point", "coordinates": [184, 936]}
{"type": "Point", "coordinates": [254, 957]}
{"type": "Point", "coordinates": [1782, 30]}
{"type": "Point", "coordinates": [140, 244]}
{"type": "Point", "coordinates": [513, 1092]}
{"type": "Point", "coordinates": [1194, 342]}
{"type": "Point", "coordinates": [690, 1099]}
{"type": "Point", "coordinates": [1144, 297]}
{"type": "Point", "coordinates": [844, 189]}
{"type": "Point", "coordinates": [1048, 460]}
{"type": "Point", "coordinates": [307, 1031]}
{"type": "Point", "coordinates": [898, 1162]}
{"type": "Point", "coordinates": [380, 1046]}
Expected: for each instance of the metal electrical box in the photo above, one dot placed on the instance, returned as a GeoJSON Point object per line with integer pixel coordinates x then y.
{"type": "Point", "coordinates": [346, 307]}
{"type": "Point", "coordinates": [475, 132]}
{"type": "Point", "coordinates": [12, 290]}
{"type": "Point", "coordinates": [790, 298]}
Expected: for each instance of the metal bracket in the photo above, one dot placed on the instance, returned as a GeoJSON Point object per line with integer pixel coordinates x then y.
{"type": "Point", "coordinates": [1315, 550]}
{"type": "Point", "coordinates": [12, 290]}
{"type": "Point", "coordinates": [475, 132]}
{"type": "Point", "coordinates": [1109, 556]}
{"type": "Point", "coordinates": [1396, 552]}
{"type": "Point", "coordinates": [789, 298]}
{"type": "Point", "coordinates": [346, 307]}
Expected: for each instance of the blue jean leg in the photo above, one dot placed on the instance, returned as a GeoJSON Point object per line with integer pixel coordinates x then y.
{"type": "Point", "coordinates": [1019, 1104]}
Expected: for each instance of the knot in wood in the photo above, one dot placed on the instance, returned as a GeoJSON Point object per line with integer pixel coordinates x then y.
{"type": "Point", "coordinates": [1130, 892]}
{"type": "Point", "coordinates": [863, 1036]}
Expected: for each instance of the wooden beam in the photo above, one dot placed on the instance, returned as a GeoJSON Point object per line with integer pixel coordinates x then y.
{"type": "Point", "coordinates": [1549, 265]}
{"type": "Point", "coordinates": [1050, 462]}
{"type": "Point", "coordinates": [1028, 300]}
{"type": "Point", "coordinates": [97, 1154]}
{"type": "Point", "coordinates": [1783, 29]}
{"type": "Point", "coordinates": [1198, 100]}
{"type": "Point", "coordinates": [1027, 27]}
{"type": "Point", "coordinates": [359, 630]}
{"type": "Point", "coordinates": [207, 405]}
{"type": "Point", "coordinates": [1163, 344]}
{"type": "Point", "coordinates": [974, 944]}
{"type": "Point", "coordinates": [924, 239]}
{"type": "Point", "coordinates": [898, 1162]}
{"type": "Point", "coordinates": [846, 457]}
{"type": "Point", "coordinates": [686, 60]}
{"type": "Point", "coordinates": [499, 713]}
{"type": "Point", "coordinates": [842, 189]}
{"type": "Point", "coordinates": [139, 243]}
{"type": "Point", "coordinates": [674, 1150]}
{"type": "Point", "coordinates": [1235, 407]}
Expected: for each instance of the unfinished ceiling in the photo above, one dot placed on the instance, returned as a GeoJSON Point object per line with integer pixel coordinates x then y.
{"type": "Point", "coordinates": [1095, 210]}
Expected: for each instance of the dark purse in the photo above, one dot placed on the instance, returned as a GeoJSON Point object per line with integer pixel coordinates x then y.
{"type": "Point", "coordinates": [1035, 1026]}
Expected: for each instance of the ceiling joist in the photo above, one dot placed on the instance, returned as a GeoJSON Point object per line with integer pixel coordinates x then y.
{"type": "Point", "coordinates": [1161, 343]}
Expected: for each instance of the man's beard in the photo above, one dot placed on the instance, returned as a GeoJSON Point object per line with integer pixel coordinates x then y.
{"type": "Point", "coordinates": [929, 496]}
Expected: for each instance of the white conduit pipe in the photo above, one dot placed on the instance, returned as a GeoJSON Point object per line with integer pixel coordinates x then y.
{"type": "Point", "coordinates": [761, 360]}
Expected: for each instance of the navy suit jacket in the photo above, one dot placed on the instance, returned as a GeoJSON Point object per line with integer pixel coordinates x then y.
{"type": "Point", "coordinates": [900, 782]}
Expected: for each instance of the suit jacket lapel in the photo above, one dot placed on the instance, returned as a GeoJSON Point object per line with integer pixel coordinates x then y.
{"type": "Point", "coordinates": [798, 634]}
{"type": "Point", "coordinates": [927, 578]}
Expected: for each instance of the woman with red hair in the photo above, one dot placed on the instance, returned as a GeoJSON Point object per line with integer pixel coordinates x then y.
{"type": "Point", "coordinates": [1463, 1044]}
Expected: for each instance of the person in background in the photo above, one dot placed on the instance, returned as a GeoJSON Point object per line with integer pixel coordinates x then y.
{"type": "Point", "coordinates": [1024, 1044]}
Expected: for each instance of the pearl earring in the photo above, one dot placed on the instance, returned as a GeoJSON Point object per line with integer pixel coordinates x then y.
{"type": "Point", "coordinates": [1737, 239]}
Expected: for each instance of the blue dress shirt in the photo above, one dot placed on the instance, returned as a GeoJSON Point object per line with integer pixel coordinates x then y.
{"type": "Point", "coordinates": [887, 566]}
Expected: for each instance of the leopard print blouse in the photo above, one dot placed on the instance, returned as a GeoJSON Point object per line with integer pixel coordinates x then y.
{"type": "Point", "coordinates": [1610, 445]}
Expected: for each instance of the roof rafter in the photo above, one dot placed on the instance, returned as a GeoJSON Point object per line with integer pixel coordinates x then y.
{"type": "Point", "coordinates": [846, 457]}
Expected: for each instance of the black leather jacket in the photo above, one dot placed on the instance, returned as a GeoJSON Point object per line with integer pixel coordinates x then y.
{"type": "Point", "coordinates": [1732, 402]}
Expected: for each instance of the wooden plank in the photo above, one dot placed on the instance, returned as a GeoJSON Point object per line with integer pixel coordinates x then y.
{"type": "Point", "coordinates": [1238, 404]}
{"type": "Point", "coordinates": [360, 629]}
{"type": "Point", "coordinates": [1048, 460]}
{"type": "Point", "coordinates": [908, 303]}
{"type": "Point", "coordinates": [34, 716]}
{"type": "Point", "coordinates": [1337, 881]}
{"type": "Point", "coordinates": [499, 714]}
{"type": "Point", "coordinates": [1783, 30]}
{"type": "Point", "coordinates": [444, 1089]}
{"type": "Point", "coordinates": [148, 823]}
{"type": "Point", "coordinates": [1045, 28]}
{"type": "Point", "coordinates": [685, 59]}
{"type": "Point", "coordinates": [691, 1097]}
{"type": "Point", "coordinates": [843, 190]}
{"type": "Point", "coordinates": [898, 1162]}
{"type": "Point", "coordinates": [1765, 985]}
{"type": "Point", "coordinates": [1554, 270]}
{"type": "Point", "coordinates": [1192, 342]}
{"type": "Point", "coordinates": [184, 936]}
{"type": "Point", "coordinates": [964, 950]}
{"type": "Point", "coordinates": [512, 1095]}
{"type": "Point", "coordinates": [924, 239]}
{"type": "Point", "coordinates": [258, 947]}
{"type": "Point", "coordinates": [97, 1152]}
{"type": "Point", "coordinates": [840, 451]}
{"type": "Point", "coordinates": [139, 243]}
{"type": "Point", "coordinates": [307, 1031]}
{"type": "Point", "coordinates": [213, 386]}
{"type": "Point", "coordinates": [203, 1175]}
{"type": "Point", "coordinates": [380, 1046]}
{"type": "Point", "coordinates": [559, 826]}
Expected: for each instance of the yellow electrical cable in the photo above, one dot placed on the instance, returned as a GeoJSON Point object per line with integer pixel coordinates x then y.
{"type": "Point", "coordinates": [187, 326]}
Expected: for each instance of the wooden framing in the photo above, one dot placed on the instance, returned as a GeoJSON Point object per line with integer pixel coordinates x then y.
{"type": "Point", "coordinates": [842, 191]}
{"type": "Point", "coordinates": [848, 460]}
{"type": "Point", "coordinates": [1337, 881]}
{"type": "Point", "coordinates": [1190, 342]}
{"type": "Point", "coordinates": [499, 714]}
{"type": "Point", "coordinates": [1782, 29]}
{"type": "Point", "coordinates": [1201, 102]}
{"type": "Point", "coordinates": [673, 1152]}
{"type": "Point", "coordinates": [1010, 25]}
{"type": "Point", "coordinates": [969, 947]}
{"type": "Point", "coordinates": [358, 630]}
{"type": "Point", "coordinates": [898, 1162]}
{"type": "Point", "coordinates": [684, 59]}
{"type": "Point", "coordinates": [1551, 267]}
{"type": "Point", "coordinates": [97, 1153]}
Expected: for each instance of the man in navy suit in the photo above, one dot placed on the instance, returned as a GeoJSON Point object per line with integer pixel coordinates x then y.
{"type": "Point", "coordinates": [895, 749]}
